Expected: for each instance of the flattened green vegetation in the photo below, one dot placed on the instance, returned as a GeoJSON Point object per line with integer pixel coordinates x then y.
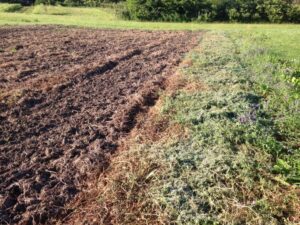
{"type": "Point", "coordinates": [241, 161]}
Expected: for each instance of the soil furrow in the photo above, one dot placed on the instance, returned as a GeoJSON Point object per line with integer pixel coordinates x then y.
{"type": "Point", "coordinates": [59, 129]}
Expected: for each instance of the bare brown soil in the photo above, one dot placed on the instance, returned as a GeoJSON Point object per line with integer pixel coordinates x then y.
{"type": "Point", "coordinates": [67, 96]}
{"type": "Point", "coordinates": [119, 195]}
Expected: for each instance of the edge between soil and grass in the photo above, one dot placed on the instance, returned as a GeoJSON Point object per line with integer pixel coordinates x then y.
{"type": "Point", "coordinates": [221, 145]}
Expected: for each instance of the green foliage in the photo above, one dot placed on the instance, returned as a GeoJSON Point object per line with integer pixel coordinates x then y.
{"type": "Point", "coordinates": [74, 2]}
{"type": "Point", "coordinates": [277, 10]}
{"type": "Point", "coordinates": [10, 7]}
{"type": "Point", "coordinates": [165, 10]}
{"type": "Point", "coordinates": [48, 2]}
{"type": "Point", "coordinates": [88, 3]}
{"type": "Point", "coordinates": [278, 84]}
{"type": "Point", "coordinates": [294, 14]}
{"type": "Point", "coordinates": [101, 17]}
{"type": "Point", "coordinates": [214, 10]}
{"type": "Point", "coordinates": [282, 166]}
{"type": "Point", "coordinates": [22, 2]}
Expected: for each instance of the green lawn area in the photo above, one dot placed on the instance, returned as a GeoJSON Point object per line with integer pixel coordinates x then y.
{"type": "Point", "coordinates": [105, 18]}
{"type": "Point", "coordinates": [239, 162]}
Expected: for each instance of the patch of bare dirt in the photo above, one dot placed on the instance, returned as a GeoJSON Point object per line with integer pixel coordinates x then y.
{"type": "Point", "coordinates": [119, 194]}
{"type": "Point", "coordinates": [67, 96]}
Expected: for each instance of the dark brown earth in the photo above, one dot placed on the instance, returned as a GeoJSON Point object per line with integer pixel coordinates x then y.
{"type": "Point", "coordinates": [67, 96]}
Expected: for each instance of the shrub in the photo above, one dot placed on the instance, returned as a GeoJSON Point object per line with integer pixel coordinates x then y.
{"type": "Point", "coordinates": [22, 2]}
{"type": "Point", "coordinates": [121, 10]}
{"type": "Point", "coordinates": [10, 7]}
{"type": "Point", "coordinates": [74, 2]}
{"type": "Point", "coordinates": [277, 10]}
{"type": "Point", "coordinates": [47, 2]}
{"type": "Point", "coordinates": [166, 10]}
{"type": "Point", "coordinates": [89, 3]}
{"type": "Point", "coordinates": [215, 10]}
{"type": "Point", "coordinates": [293, 14]}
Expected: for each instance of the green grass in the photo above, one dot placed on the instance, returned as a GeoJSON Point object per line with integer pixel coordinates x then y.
{"type": "Point", "coordinates": [8, 8]}
{"type": "Point", "coordinates": [96, 13]}
{"type": "Point", "coordinates": [105, 18]}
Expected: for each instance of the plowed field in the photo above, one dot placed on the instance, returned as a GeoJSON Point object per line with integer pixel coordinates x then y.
{"type": "Point", "coordinates": [67, 96]}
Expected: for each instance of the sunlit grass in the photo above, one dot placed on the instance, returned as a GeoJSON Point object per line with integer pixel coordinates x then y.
{"type": "Point", "coordinates": [88, 13]}
{"type": "Point", "coordinates": [5, 7]}
{"type": "Point", "coordinates": [105, 18]}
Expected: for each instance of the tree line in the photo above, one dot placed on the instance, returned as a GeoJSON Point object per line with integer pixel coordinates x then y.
{"type": "Point", "coordinates": [215, 10]}
{"type": "Point", "coordinates": [275, 11]}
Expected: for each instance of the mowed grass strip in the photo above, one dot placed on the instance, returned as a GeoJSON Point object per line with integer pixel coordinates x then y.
{"type": "Point", "coordinates": [230, 154]}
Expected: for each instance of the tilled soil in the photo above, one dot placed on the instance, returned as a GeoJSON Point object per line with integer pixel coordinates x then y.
{"type": "Point", "coordinates": [67, 96]}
